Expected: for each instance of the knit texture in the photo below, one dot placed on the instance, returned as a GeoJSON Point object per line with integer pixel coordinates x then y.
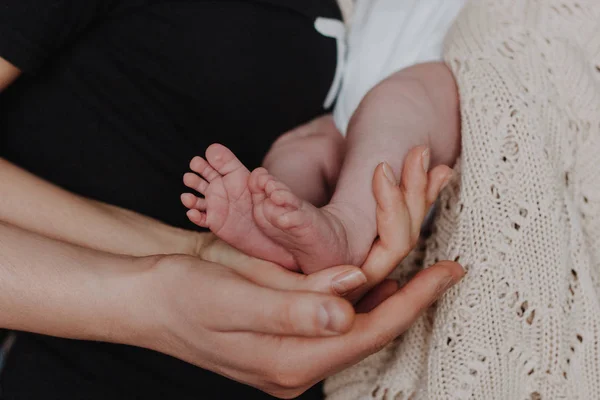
{"type": "Point", "coordinates": [523, 217]}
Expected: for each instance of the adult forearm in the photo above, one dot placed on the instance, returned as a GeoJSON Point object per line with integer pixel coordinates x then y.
{"type": "Point", "coordinates": [59, 289]}
{"type": "Point", "coordinates": [38, 206]}
{"type": "Point", "coordinates": [8, 73]}
{"type": "Point", "coordinates": [280, 332]}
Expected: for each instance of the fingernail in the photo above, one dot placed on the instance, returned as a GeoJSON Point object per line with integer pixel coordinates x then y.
{"type": "Point", "coordinates": [389, 174]}
{"type": "Point", "coordinates": [348, 281]}
{"type": "Point", "coordinates": [426, 155]}
{"type": "Point", "coordinates": [446, 181]}
{"type": "Point", "coordinates": [332, 318]}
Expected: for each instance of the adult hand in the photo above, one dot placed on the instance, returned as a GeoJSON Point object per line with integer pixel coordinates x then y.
{"type": "Point", "coordinates": [282, 332]}
{"type": "Point", "coordinates": [401, 211]}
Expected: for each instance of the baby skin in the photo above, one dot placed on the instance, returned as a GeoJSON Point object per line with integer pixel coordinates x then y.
{"type": "Point", "coordinates": [311, 205]}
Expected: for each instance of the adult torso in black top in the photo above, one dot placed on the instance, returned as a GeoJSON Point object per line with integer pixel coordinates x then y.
{"type": "Point", "coordinates": [117, 96]}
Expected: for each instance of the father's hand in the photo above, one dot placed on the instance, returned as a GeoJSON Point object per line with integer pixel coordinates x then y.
{"type": "Point", "coordinates": [280, 337]}
{"type": "Point", "coordinates": [279, 331]}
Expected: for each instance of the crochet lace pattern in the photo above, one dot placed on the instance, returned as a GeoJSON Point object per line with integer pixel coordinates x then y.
{"type": "Point", "coordinates": [523, 217]}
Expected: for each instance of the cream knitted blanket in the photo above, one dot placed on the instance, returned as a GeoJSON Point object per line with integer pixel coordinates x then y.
{"type": "Point", "coordinates": [523, 217]}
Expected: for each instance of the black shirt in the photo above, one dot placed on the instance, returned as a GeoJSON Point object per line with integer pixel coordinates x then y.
{"type": "Point", "coordinates": [116, 97]}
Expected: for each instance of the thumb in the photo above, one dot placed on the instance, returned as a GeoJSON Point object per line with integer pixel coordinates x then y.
{"type": "Point", "coordinates": [285, 313]}
{"type": "Point", "coordinates": [416, 296]}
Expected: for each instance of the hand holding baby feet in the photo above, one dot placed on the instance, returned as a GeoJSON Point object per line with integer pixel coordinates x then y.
{"type": "Point", "coordinates": [401, 210]}
{"type": "Point", "coordinates": [226, 208]}
{"type": "Point", "coordinates": [336, 234]}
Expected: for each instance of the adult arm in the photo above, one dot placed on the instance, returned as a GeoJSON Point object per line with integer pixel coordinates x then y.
{"type": "Point", "coordinates": [59, 289]}
{"type": "Point", "coordinates": [8, 73]}
{"type": "Point", "coordinates": [31, 31]}
{"type": "Point", "coordinates": [38, 206]}
{"type": "Point", "coordinates": [251, 321]}
{"type": "Point", "coordinates": [286, 365]}
{"type": "Point", "coordinates": [274, 335]}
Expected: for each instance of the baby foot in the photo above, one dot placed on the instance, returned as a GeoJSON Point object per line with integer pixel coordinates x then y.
{"type": "Point", "coordinates": [226, 208]}
{"type": "Point", "coordinates": [316, 237]}
{"type": "Point", "coordinates": [335, 234]}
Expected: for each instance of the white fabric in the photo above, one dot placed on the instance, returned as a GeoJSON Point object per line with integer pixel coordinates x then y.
{"type": "Point", "coordinates": [387, 36]}
{"type": "Point", "coordinates": [523, 217]}
{"type": "Point", "coordinates": [335, 29]}
{"type": "Point", "coordinates": [347, 7]}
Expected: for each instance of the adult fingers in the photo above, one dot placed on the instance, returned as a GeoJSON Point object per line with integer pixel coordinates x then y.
{"type": "Point", "coordinates": [339, 280]}
{"type": "Point", "coordinates": [399, 212]}
{"type": "Point", "coordinates": [414, 187]}
{"type": "Point", "coordinates": [301, 362]}
{"type": "Point", "coordinates": [373, 331]}
{"type": "Point", "coordinates": [376, 296]}
{"type": "Point", "coordinates": [417, 295]}
{"type": "Point", "coordinates": [242, 306]}
{"type": "Point", "coordinates": [393, 225]}
{"type": "Point", "coordinates": [439, 177]}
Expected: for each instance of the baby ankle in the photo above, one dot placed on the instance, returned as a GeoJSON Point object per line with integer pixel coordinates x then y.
{"type": "Point", "coordinates": [360, 228]}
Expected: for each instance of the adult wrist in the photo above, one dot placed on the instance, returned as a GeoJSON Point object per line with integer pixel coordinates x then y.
{"type": "Point", "coordinates": [190, 243]}
{"type": "Point", "coordinates": [124, 302]}
{"type": "Point", "coordinates": [146, 320]}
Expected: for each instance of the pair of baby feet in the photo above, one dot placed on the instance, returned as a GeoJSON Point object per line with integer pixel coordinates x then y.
{"type": "Point", "coordinates": [258, 214]}
{"type": "Point", "coordinates": [261, 217]}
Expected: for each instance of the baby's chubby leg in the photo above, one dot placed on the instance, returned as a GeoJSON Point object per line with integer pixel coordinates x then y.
{"type": "Point", "coordinates": [308, 159]}
{"type": "Point", "coordinates": [318, 238]}
{"type": "Point", "coordinates": [416, 106]}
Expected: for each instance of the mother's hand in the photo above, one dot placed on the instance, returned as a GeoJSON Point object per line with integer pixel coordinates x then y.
{"type": "Point", "coordinates": [282, 332]}
{"type": "Point", "coordinates": [401, 211]}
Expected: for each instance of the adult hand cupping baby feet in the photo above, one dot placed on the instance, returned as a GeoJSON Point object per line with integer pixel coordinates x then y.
{"type": "Point", "coordinates": [401, 210]}
{"type": "Point", "coordinates": [281, 331]}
